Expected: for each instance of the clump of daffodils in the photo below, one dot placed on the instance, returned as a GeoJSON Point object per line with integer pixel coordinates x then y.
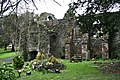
{"type": "Point", "coordinates": [40, 56]}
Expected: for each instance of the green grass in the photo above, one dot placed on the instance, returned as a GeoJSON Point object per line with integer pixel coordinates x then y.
{"type": "Point", "coordinates": [75, 71]}
{"type": "Point", "coordinates": [6, 54]}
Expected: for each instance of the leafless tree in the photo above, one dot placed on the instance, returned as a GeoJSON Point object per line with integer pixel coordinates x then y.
{"type": "Point", "coordinates": [13, 5]}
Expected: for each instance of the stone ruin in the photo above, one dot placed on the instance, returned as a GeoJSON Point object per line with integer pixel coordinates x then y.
{"type": "Point", "coordinates": [47, 34]}
{"type": "Point", "coordinates": [57, 37]}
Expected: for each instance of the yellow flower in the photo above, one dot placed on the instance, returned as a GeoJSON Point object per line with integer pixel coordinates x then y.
{"type": "Point", "coordinates": [93, 59]}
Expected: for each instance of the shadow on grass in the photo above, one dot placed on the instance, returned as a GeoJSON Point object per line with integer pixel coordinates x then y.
{"type": "Point", "coordinates": [5, 52]}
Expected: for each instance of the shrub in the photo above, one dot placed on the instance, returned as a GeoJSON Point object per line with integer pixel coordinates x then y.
{"type": "Point", "coordinates": [6, 72]}
{"type": "Point", "coordinates": [40, 56]}
{"type": "Point", "coordinates": [38, 65]}
{"type": "Point", "coordinates": [50, 65]}
{"type": "Point", "coordinates": [17, 62]}
{"type": "Point", "coordinates": [53, 60]}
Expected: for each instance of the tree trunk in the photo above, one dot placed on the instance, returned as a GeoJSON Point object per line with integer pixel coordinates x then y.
{"type": "Point", "coordinates": [13, 48]}
{"type": "Point", "coordinates": [24, 50]}
{"type": "Point", "coordinates": [23, 45]}
{"type": "Point", "coordinates": [111, 45]}
{"type": "Point", "coordinates": [89, 45]}
{"type": "Point", "coordinates": [72, 50]}
{"type": "Point", "coordinates": [5, 47]}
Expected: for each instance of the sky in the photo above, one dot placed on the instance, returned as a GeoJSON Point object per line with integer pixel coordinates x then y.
{"type": "Point", "coordinates": [51, 7]}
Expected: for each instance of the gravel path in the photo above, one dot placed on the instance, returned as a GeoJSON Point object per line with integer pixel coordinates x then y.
{"type": "Point", "coordinates": [8, 59]}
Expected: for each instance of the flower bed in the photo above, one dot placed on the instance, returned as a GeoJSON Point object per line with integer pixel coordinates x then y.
{"type": "Point", "coordinates": [50, 64]}
{"type": "Point", "coordinates": [109, 67]}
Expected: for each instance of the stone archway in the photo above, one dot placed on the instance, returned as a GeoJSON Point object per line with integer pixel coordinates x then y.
{"type": "Point", "coordinates": [32, 55]}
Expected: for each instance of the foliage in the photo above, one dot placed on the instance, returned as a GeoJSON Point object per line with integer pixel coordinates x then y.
{"type": "Point", "coordinates": [40, 56]}
{"type": "Point", "coordinates": [99, 11]}
{"type": "Point", "coordinates": [17, 62]}
{"type": "Point", "coordinates": [85, 23]}
{"type": "Point", "coordinates": [75, 71]}
{"type": "Point", "coordinates": [96, 5]}
{"type": "Point", "coordinates": [109, 67]}
{"type": "Point", "coordinates": [9, 29]}
{"type": "Point", "coordinates": [6, 72]}
{"type": "Point", "coordinates": [44, 65]}
{"type": "Point", "coordinates": [38, 64]}
{"type": "Point", "coordinates": [91, 9]}
{"type": "Point", "coordinates": [69, 14]}
{"type": "Point", "coordinates": [53, 60]}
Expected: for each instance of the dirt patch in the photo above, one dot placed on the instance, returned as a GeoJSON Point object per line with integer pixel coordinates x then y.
{"type": "Point", "coordinates": [108, 67]}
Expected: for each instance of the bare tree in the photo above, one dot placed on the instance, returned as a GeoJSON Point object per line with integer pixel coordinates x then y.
{"type": "Point", "coordinates": [18, 25]}
{"type": "Point", "coordinates": [12, 5]}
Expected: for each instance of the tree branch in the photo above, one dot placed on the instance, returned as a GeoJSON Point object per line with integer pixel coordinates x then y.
{"type": "Point", "coordinates": [34, 4]}
{"type": "Point", "coordinates": [7, 7]}
{"type": "Point", "coordinates": [25, 1]}
{"type": "Point", "coordinates": [57, 2]}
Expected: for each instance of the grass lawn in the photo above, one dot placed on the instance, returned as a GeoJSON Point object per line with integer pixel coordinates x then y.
{"type": "Point", "coordinates": [6, 54]}
{"type": "Point", "coordinates": [75, 71]}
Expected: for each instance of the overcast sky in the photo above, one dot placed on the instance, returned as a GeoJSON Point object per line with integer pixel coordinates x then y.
{"type": "Point", "coordinates": [51, 7]}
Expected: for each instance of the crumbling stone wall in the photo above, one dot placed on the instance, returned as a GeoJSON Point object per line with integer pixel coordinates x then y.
{"type": "Point", "coordinates": [47, 30]}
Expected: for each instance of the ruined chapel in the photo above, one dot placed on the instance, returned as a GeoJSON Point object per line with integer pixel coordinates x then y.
{"type": "Point", "coordinates": [58, 37]}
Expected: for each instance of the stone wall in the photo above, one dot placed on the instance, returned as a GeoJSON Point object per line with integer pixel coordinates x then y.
{"type": "Point", "coordinates": [48, 32]}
